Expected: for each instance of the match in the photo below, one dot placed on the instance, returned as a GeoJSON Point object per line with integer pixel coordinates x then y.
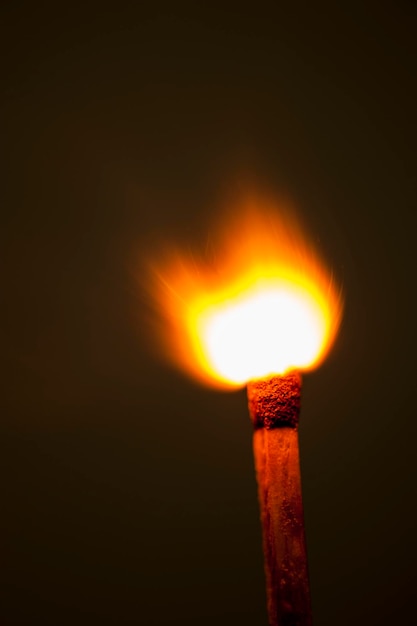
{"type": "Point", "coordinates": [274, 406]}
{"type": "Point", "coordinates": [265, 312]}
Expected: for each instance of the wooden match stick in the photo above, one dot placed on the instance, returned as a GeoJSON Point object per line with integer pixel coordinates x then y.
{"type": "Point", "coordinates": [274, 405]}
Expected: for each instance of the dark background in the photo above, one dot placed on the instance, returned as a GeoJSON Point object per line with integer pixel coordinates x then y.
{"type": "Point", "coordinates": [127, 490]}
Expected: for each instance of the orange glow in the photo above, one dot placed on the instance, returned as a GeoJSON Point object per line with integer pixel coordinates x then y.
{"type": "Point", "coordinates": [262, 304]}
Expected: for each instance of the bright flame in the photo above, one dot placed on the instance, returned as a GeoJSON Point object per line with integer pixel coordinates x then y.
{"type": "Point", "coordinates": [266, 330]}
{"type": "Point", "coordinates": [261, 306]}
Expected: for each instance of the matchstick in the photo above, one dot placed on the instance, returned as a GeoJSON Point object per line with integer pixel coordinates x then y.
{"type": "Point", "coordinates": [274, 405]}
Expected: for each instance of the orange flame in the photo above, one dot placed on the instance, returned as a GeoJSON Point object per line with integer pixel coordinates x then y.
{"type": "Point", "coordinates": [261, 305]}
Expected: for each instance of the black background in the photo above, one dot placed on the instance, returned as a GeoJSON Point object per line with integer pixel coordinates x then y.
{"type": "Point", "coordinates": [127, 490]}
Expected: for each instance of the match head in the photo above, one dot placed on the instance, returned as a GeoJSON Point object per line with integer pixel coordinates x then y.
{"type": "Point", "coordinates": [275, 402]}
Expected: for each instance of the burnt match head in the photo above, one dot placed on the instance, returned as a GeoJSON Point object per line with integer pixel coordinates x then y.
{"type": "Point", "coordinates": [275, 402]}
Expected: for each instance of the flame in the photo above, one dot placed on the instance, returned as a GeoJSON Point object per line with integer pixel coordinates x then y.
{"type": "Point", "coordinates": [260, 303]}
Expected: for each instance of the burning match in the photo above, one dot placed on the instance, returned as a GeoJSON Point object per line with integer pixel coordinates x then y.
{"type": "Point", "coordinates": [257, 313]}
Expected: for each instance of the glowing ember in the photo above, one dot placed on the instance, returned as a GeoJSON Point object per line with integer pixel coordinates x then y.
{"type": "Point", "coordinates": [262, 305]}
